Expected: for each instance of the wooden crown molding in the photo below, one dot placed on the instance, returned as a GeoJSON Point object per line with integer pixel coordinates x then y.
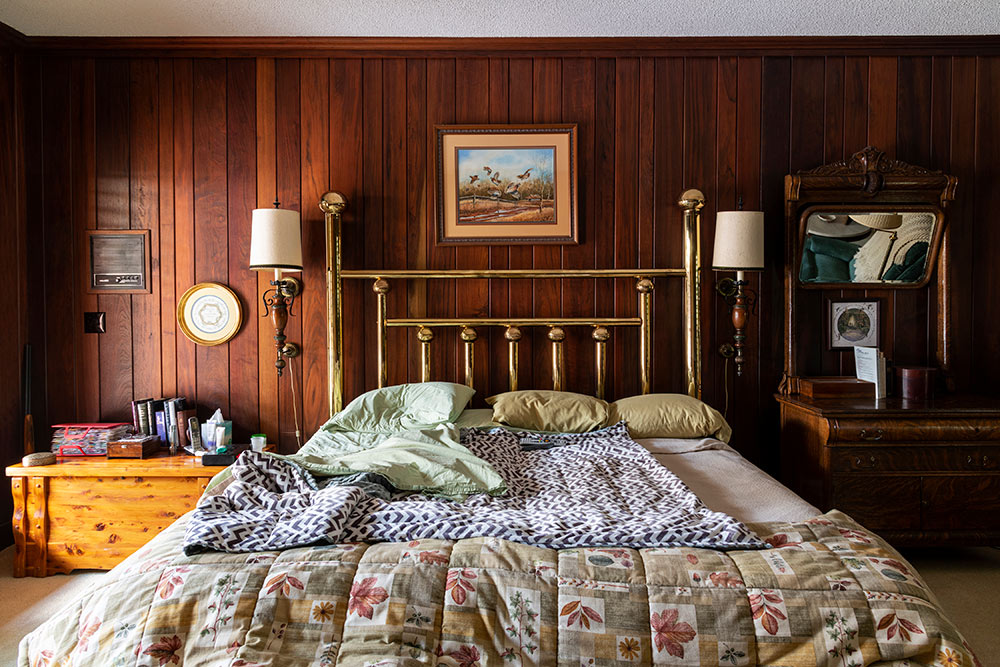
{"type": "Point", "coordinates": [357, 47]}
{"type": "Point", "coordinates": [11, 38]}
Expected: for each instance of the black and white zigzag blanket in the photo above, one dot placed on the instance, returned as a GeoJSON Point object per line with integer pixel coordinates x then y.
{"type": "Point", "coordinates": [596, 489]}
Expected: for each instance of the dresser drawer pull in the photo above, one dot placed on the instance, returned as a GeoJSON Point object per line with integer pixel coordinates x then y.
{"type": "Point", "coordinates": [862, 463]}
{"type": "Point", "coordinates": [865, 435]}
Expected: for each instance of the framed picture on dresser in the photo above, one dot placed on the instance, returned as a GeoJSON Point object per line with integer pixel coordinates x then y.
{"type": "Point", "coordinates": [852, 322]}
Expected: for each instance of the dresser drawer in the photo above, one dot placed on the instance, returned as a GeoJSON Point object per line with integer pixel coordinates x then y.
{"type": "Point", "coordinates": [916, 458]}
{"type": "Point", "coordinates": [914, 430]}
{"type": "Point", "coordinates": [879, 502]}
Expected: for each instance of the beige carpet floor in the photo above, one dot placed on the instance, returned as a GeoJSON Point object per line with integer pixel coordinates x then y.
{"type": "Point", "coordinates": [966, 581]}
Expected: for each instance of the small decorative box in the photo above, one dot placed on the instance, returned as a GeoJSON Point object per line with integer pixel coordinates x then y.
{"type": "Point", "coordinates": [138, 447]}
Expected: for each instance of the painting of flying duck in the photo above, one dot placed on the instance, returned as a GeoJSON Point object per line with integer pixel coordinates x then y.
{"type": "Point", "coordinates": [505, 184]}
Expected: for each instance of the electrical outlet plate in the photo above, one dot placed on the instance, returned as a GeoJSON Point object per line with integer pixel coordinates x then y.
{"type": "Point", "coordinates": [93, 322]}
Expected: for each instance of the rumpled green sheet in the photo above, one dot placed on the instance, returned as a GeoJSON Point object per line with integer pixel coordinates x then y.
{"type": "Point", "coordinates": [429, 459]}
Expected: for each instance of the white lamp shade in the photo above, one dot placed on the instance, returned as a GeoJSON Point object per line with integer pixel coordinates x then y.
{"type": "Point", "coordinates": [275, 240]}
{"type": "Point", "coordinates": [739, 241]}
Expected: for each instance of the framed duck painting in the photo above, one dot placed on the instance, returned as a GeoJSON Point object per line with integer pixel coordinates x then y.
{"type": "Point", "coordinates": [506, 184]}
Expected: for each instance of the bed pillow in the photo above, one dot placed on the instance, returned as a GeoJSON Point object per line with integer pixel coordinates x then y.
{"type": "Point", "coordinates": [552, 411]}
{"type": "Point", "coordinates": [669, 416]}
{"type": "Point", "coordinates": [404, 406]}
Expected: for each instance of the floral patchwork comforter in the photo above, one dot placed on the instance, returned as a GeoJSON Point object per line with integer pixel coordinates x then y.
{"type": "Point", "coordinates": [827, 593]}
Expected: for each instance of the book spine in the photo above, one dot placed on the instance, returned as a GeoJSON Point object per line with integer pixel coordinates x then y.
{"type": "Point", "coordinates": [144, 418]}
{"type": "Point", "coordinates": [171, 415]}
{"type": "Point", "coordinates": [181, 420]}
{"type": "Point", "coordinates": [135, 416]}
{"type": "Point", "coordinates": [161, 426]}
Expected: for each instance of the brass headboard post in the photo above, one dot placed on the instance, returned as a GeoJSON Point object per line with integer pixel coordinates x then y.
{"type": "Point", "coordinates": [333, 204]}
{"type": "Point", "coordinates": [644, 286]}
{"type": "Point", "coordinates": [557, 335]}
{"type": "Point", "coordinates": [692, 202]}
{"type": "Point", "coordinates": [381, 288]}
{"type": "Point", "coordinates": [469, 335]}
{"type": "Point", "coordinates": [425, 335]}
{"type": "Point", "coordinates": [513, 335]}
{"type": "Point", "coordinates": [600, 336]}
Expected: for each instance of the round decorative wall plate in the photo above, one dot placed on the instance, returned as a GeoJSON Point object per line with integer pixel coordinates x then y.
{"type": "Point", "coordinates": [209, 313]}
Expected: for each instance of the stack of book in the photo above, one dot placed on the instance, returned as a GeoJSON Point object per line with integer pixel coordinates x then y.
{"type": "Point", "coordinates": [86, 439]}
{"type": "Point", "coordinates": [163, 417]}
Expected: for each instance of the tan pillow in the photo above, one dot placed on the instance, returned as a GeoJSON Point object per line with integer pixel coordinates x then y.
{"type": "Point", "coordinates": [669, 416]}
{"type": "Point", "coordinates": [552, 411]}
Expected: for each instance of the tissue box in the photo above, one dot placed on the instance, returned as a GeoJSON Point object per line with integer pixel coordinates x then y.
{"type": "Point", "coordinates": [208, 434]}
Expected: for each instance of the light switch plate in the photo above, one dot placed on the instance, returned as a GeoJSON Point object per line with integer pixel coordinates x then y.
{"type": "Point", "coordinates": [93, 322]}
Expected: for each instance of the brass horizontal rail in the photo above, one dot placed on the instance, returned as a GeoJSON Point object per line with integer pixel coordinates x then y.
{"type": "Point", "coordinates": [445, 274]}
{"type": "Point", "coordinates": [515, 322]}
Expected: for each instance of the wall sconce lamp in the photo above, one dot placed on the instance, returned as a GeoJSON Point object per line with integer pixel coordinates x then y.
{"type": "Point", "coordinates": [739, 247]}
{"type": "Point", "coordinates": [276, 245]}
{"type": "Point", "coordinates": [882, 222]}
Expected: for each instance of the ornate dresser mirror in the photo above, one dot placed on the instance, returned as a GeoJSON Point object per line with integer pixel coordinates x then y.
{"type": "Point", "coordinates": [865, 229]}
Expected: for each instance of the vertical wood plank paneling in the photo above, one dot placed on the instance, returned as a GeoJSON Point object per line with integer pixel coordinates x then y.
{"type": "Point", "coordinates": [913, 145]}
{"type": "Point", "coordinates": [986, 279]}
{"type": "Point", "coordinates": [578, 294]}
{"type": "Point", "coordinates": [882, 103]}
{"type": "Point", "coordinates": [395, 182]}
{"type": "Point", "coordinates": [748, 183]}
{"type": "Point", "coordinates": [546, 100]}
{"type": "Point", "coordinates": [211, 238]}
{"type": "Point", "coordinates": [962, 220]}
{"type": "Point", "coordinates": [418, 216]}
{"type": "Point", "coordinates": [144, 212]}
{"type": "Point", "coordinates": [372, 202]}
{"type": "Point", "coordinates": [112, 114]}
{"type": "Point", "coordinates": [700, 110]}
{"type": "Point", "coordinates": [167, 293]}
{"type": "Point", "coordinates": [499, 255]}
{"type": "Point", "coordinates": [520, 101]}
{"type": "Point", "coordinates": [84, 217]}
{"type": "Point", "coordinates": [721, 378]}
{"type": "Point", "coordinates": [626, 193]}
{"type": "Point", "coordinates": [345, 176]}
{"type": "Point", "coordinates": [186, 148]}
{"type": "Point", "coordinates": [315, 104]}
{"type": "Point", "coordinates": [472, 297]}
{"type": "Point", "coordinates": [267, 191]}
{"type": "Point", "coordinates": [184, 260]}
{"type": "Point", "coordinates": [775, 92]}
{"type": "Point", "coordinates": [605, 108]}
{"type": "Point", "coordinates": [241, 178]}
{"type": "Point", "coordinates": [668, 224]}
{"type": "Point", "coordinates": [288, 184]}
{"type": "Point", "coordinates": [58, 235]}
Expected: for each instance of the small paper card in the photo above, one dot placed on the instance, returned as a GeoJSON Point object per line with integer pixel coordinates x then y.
{"type": "Point", "coordinates": [870, 365]}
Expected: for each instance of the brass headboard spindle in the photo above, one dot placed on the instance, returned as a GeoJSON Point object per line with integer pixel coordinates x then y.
{"type": "Point", "coordinates": [601, 336]}
{"type": "Point", "coordinates": [644, 286]}
{"type": "Point", "coordinates": [513, 335]}
{"type": "Point", "coordinates": [425, 335]}
{"type": "Point", "coordinates": [469, 335]}
{"type": "Point", "coordinates": [557, 335]}
{"type": "Point", "coordinates": [381, 288]}
{"type": "Point", "coordinates": [692, 202]}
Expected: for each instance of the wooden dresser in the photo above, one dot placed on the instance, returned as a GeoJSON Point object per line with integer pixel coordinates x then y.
{"type": "Point", "coordinates": [93, 512]}
{"type": "Point", "coordinates": [918, 474]}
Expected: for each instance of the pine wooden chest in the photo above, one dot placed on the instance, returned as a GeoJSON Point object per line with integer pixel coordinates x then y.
{"type": "Point", "coordinates": [91, 513]}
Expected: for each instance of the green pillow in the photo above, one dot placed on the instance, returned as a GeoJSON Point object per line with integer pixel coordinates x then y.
{"type": "Point", "coordinates": [669, 416]}
{"type": "Point", "coordinates": [403, 407]}
{"type": "Point", "coordinates": [550, 411]}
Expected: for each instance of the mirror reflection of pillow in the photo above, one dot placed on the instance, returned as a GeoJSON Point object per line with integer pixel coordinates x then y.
{"type": "Point", "coordinates": [916, 229]}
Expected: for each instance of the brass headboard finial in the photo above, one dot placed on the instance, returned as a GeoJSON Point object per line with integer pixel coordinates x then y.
{"type": "Point", "coordinates": [333, 204]}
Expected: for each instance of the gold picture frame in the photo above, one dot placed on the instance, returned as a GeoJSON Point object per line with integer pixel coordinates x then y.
{"type": "Point", "coordinates": [209, 314]}
{"type": "Point", "coordinates": [506, 184]}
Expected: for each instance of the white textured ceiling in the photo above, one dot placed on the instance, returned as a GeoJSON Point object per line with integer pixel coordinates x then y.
{"type": "Point", "coordinates": [500, 18]}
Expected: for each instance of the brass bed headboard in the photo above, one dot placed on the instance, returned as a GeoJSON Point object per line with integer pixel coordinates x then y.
{"type": "Point", "coordinates": [333, 204]}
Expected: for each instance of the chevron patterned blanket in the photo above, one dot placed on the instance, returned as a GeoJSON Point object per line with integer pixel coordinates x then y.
{"type": "Point", "coordinates": [829, 593]}
{"type": "Point", "coordinates": [594, 489]}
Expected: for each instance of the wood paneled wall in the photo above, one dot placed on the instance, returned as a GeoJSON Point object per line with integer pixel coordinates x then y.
{"type": "Point", "coordinates": [187, 147]}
